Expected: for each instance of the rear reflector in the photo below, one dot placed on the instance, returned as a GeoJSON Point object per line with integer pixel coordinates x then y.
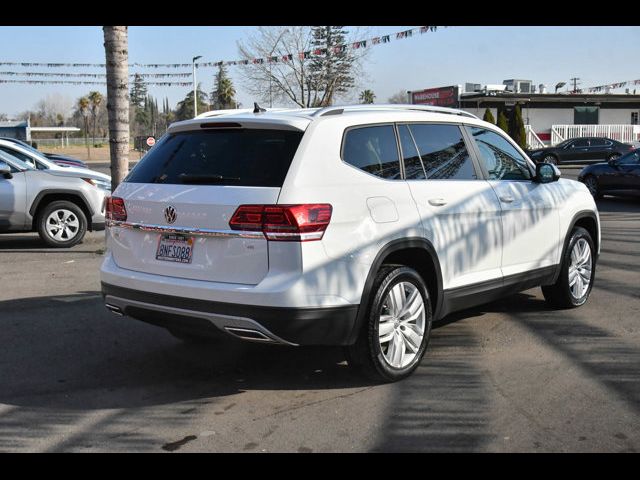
{"type": "Point", "coordinates": [116, 209]}
{"type": "Point", "coordinates": [284, 223]}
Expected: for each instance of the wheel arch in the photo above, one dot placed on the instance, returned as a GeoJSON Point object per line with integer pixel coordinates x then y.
{"type": "Point", "coordinates": [588, 220]}
{"type": "Point", "coordinates": [45, 197]}
{"type": "Point", "coordinates": [417, 253]}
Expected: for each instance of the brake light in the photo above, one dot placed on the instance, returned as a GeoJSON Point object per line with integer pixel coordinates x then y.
{"type": "Point", "coordinates": [284, 223]}
{"type": "Point", "coordinates": [115, 209]}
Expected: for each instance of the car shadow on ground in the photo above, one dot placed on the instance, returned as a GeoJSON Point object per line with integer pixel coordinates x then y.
{"type": "Point", "coordinates": [31, 242]}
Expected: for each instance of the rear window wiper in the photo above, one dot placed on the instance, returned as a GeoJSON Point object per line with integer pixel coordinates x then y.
{"type": "Point", "coordinates": [195, 178]}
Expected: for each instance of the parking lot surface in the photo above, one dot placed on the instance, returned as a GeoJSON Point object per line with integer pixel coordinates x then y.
{"type": "Point", "coordinates": [510, 376]}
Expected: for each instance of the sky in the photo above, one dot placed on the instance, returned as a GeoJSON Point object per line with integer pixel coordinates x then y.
{"type": "Point", "coordinates": [449, 56]}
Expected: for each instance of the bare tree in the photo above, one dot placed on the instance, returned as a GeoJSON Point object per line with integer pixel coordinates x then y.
{"type": "Point", "coordinates": [399, 97]}
{"type": "Point", "coordinates": [117, 61]}
{"type": "Point", "coordinates": [284, 73]}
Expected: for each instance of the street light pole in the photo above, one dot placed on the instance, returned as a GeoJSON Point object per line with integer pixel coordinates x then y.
{"type": "Point", "coordinates": [195, 93]}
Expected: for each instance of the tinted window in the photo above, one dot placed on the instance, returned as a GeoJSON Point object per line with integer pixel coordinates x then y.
{"type": "Point", "coordinates": [599, 142]}
{"type": "Point", "coordinates": [247, 157]}
{"type": "Point", "coordinates": [501, 159]}
{"type": "Point", "coordinates": [582, 143]}
{"type": "Point", "coordinates": [630, 158]}
{"type": "Point", "coordinates": [443, 151]}
{"type": "Point", "coordinates": [412, 165]}
{"type": "Point", "coordinates": [374, 150]}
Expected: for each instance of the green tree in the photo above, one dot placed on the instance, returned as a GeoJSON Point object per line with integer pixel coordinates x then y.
{"type": "Point", "coordinates": [95, 100]}
{"type": "Point", "coordinates": [330, 73]}
{"type": "Point", "coordinates": [367, 96]}
{"type": "Point", "coordinates": [185, 107]}
{"type": "Point", "coordinates": [83, 108]}
{"type": "Point", "coordinates": [223, 94]}
{"type": "Point", "coordinates": [516, 127]}
{"type": "Point", "coordinates": [488, 116]}
{"type": "Point", "coordinates": [503, 122]}
{"type": "Point", "coordinates": [138, 91]}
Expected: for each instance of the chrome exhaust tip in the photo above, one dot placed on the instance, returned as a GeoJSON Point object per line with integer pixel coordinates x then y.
{"type": "Point", "coordinates": [249, 334]}
{"type": "Point", "coordinates": [114, 309]}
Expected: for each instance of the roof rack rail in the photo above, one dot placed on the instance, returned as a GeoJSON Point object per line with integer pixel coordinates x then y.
{"type": "Point", "coordinates": [337, 110]}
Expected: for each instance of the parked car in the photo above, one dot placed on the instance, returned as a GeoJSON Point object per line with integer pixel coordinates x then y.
{"type": "Point", "coordinates": [60, 204]}
{"type": "Point", "coordinates": [355, 226]}
{"type": "Point", "coordinates": [39, 161]}
{"type": "Point", "coordinates": [62, 160]}
{"type": "Point", "coordinates": [620, 176]}
{"type": "Point", "coordinates": [65, 160]}
{"type": "Point", "coordinates": [581, 150]}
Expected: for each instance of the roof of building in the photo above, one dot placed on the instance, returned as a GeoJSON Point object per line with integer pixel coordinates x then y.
{"type": "Point", "coordinates": [552, 97]}
{"type": "Point", "coordinates": [13, 124]}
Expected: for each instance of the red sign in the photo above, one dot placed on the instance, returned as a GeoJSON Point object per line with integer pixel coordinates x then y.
{"type": "Point", "coordinates": [441, 97]}
{"type": "Point", "coordinates": [151, 141]}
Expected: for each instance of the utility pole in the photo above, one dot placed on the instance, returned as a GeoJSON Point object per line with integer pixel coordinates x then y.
{"type": "Point", "coordinates": [575, 84]}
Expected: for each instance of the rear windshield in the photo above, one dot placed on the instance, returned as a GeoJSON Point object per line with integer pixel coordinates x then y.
{"type": "Point", "coordinates": [245, 157]}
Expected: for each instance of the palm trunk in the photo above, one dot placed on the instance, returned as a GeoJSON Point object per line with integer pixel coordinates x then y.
{"type": "Point", "coordinates": [117, 60]}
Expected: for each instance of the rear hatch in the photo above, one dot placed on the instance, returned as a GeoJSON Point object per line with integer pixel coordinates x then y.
{"type": "Point", "coordinates": [195, 180]}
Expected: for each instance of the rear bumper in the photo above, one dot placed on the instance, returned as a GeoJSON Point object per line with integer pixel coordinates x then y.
{"type": "Point", "coordinates": [283, 325]}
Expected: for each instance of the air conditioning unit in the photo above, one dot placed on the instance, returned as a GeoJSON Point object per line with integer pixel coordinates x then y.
{"type": "Point", "coordinates": [494, 88]}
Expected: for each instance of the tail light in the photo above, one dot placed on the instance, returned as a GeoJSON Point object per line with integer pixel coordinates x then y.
{"type": "Point", "coordinates": [115, 209]}
{"type": "Point", "coordinates": [285, 223]}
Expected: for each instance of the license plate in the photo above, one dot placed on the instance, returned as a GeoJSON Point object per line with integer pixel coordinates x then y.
{"type": "Point", "coordinates": [175, 248]}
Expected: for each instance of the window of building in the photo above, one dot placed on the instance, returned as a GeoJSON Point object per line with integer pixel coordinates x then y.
{"type": "Point", "coordinates": [585, 115]}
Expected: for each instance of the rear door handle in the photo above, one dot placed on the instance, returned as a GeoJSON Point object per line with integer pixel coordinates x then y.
{"type": "Point", "coordinates": [506, 198]}
{"type": "Point", "coordinates": [437, 202]}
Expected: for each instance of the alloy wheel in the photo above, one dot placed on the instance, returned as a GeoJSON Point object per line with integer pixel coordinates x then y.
{"type": "Point", "coordinates": [62, 225]}
{"type": "Point", "coordinates": [401, 326]}
{"type": "Point", "coordinates": [580, 268]}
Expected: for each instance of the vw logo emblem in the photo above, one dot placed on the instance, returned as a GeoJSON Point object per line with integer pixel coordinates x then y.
{"type": "Point", "coordinates": [170, 214]}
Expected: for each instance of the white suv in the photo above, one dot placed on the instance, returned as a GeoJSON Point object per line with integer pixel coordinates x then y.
{"type": "Point", "coordinates": [356, 226]}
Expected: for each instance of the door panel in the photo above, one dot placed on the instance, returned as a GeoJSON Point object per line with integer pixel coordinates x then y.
{"type": "Point", "coordinates": [460, 214]}
{"type": "Point", "coordinates": [13, 198]}
{"type": "Point", "coordinates": [529, 213]}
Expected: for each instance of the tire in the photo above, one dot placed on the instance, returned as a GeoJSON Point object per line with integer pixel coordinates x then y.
{"type": "Point", "coordinates": [562, 294]}
{"type": "Point", "coordinates": [591, 183]}
{"type": "Point", "coordinates": [373, 354]}
{"type": "Point", "coordinates": [61, 224]}
{"type": "Point", "coordinates": [552, 159]}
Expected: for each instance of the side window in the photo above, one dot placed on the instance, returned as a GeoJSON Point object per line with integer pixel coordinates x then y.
{"type": "Point", "coordinates": [413, 168]}
{"type": "Point", "coordinates": [598, 142]}
{"type": "Point", "coordinates": [501, 159]}
{"type": "Point", "coordinates": [374, 150]}
{"type": "Point", "coordinates": [443, 152]}
{"type": "Point", "coordinates": [582, 143]}
{"type": "Point", "coordinates": [19, 155]}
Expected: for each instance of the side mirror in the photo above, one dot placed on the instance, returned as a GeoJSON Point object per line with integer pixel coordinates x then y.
{"type": "Point", "coordinates": [547, 173]}
{"type": "Point", "coordinates": [5, 170]}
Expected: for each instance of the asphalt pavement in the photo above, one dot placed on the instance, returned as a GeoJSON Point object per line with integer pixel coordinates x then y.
{"type": "Point", "coordinates": [511, 376]}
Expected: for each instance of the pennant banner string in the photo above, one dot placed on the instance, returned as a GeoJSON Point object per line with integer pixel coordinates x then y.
{"type": "Point", "coordinates": [614, 85]}
{"type": "Point", "coordinates": [284, 58]}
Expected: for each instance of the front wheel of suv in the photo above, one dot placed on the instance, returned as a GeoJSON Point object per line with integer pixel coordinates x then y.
{"type": "Point", "coordinates": [61, 224]}
{"type": "Point", "coordinates": [397, 326]}
{"type": "Point", "coordinates": [577, 272]}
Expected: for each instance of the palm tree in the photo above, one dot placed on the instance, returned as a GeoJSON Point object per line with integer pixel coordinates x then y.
{"type": "Point", "coordinates": [117, 61]}
{"type": "Point", "coordinates": [95, 98]}
{"type": "Point", "coordinates": [83, 108]}
{"type": "Point", "coordinates": [367, 96]}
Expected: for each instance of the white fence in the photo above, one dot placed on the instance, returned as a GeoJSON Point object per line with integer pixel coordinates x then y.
{"type": "Point", "coordinates": [59, 142]}
{"type": "Point", "coordinates": [533, 141]}
{"type": "Point", "coordinates": [622, 133]}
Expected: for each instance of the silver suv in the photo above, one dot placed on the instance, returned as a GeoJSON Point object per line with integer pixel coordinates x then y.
{"type": "Point", "coordinates": [60, 204]}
